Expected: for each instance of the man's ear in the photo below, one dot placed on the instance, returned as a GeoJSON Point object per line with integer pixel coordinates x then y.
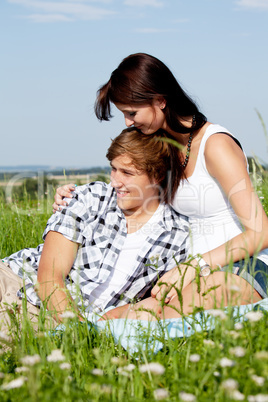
{"type": "Point", "coordinates": [157, 182]}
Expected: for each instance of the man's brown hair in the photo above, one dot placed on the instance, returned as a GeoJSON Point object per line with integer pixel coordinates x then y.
{"type": "Point", "coordinates": [150, 154]}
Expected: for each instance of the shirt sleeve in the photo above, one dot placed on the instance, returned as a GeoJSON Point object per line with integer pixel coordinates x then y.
{"type": "Point", "coordinates": [75, 220]}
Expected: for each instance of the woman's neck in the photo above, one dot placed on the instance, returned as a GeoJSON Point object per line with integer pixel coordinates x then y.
{"type": "Point", "coordinates": [182, 138]}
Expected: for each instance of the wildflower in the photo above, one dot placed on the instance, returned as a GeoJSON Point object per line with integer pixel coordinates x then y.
{"type": "Point", "coordinates": [225, 362]}
{"type": "Point", "coordinates": [254, 316]}
{"type": "Point", "coordinates": [122, 371]}
{"type": "Point", "coordinates": [161, 393]}
{"type": "Point", "coordinates": [194, 358]}
{"type": "Point", "coordinates": [130, 367]}
{"type": "Point", "coordinates": [4, 337]}
{"type": "Point", "coordinates": [96, 352]}
{"type": "Point", "coordinates": [94, 387]}
{"type": "Point", "coordinates": [234, 334]}
{"type": "Point", "coordinates": [258, 398]}
{"type": "Point", "coordinates": [237, 395]}
{"type": "Point", "coordinates": [106, 389]}
{"type": "Point", "coordinates": [238, 351]}
{"type": "Point", "coordinates": [235, 288]}
{"type": "Point", "coordinates": [238, 326]}
{"type": "Point", "coordinates": [55, 356]}
{"type": "Point", "coordinates": [262, 354]}
{"type": "Point", "coordinates": [154, 368]}
{"type": "Point", "coordinates": [97, 371]}
{"type": "Point", "coordinates": [230, 384]}
{"type": "Point", "coordinates": [154, 258]}
{"type": "Point", "coordinates": [17, 383]}
{"type": "Point", "coordinates": [65, 366]}
{"type": "Point", "coordinates": [115, 360]}
{"type": "Point", "coordinates": [209, 342]}
{"type": "Point", "coordinates": [258, 380]}
{"type": "Point", "coordinates": [68, 314]}
{"type": "Point", "coordinates": [30, 360]}
{"type": "Point", "coordinates": [218, 313]}
{"type": "Point", "coordinates": [184, 396]}
{"type": "Point", "coordinates": [216, 374]}
{"type": "Point", "coordinates": [21, 369]}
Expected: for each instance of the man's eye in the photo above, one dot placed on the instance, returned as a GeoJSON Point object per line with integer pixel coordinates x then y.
{"type": "Point", "coordinates": [132, 114]}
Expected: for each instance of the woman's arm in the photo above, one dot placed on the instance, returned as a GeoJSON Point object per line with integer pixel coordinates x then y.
{"type": "Point", "coordinates": [61, 193]}
{"type": "Point", "coordinates": [56, 262]}
{"type": "Point", "coordinates": [226, 163]}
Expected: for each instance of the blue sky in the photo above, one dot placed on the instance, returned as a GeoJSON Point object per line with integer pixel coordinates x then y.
{"type": "Point", "coordinates": [56, 54]}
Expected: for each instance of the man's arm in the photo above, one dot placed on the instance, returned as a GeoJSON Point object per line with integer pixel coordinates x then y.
{"type": "Point", "coordinates": [56, 262]}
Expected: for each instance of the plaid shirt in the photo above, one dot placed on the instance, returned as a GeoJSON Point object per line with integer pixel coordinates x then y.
{"type": "Point", "coordinates": [94, 220]}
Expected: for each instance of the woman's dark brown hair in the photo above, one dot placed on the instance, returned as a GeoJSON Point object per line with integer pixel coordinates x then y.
{"type": "Point", "coordinates": [149, 154]}
{"type": "Point", "coordinates": [138, 80]}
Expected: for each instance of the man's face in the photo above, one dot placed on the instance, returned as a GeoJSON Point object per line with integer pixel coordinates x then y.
{"type": "Point", "coordinates": [135, 191]}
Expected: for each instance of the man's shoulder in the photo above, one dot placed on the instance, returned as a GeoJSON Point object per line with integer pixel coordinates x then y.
{"type": "Point", "coordinates": [94, 187]}
{"type": "Point", "coordinates": [174, 219]}
{"type": "Point", "coordinates": [97, 190]}
{"type": "Point", "coordinates": [88, 199]}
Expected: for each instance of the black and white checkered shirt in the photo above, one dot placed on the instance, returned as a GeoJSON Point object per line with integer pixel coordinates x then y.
{"type": "Point", "coordinates": [94, 220]}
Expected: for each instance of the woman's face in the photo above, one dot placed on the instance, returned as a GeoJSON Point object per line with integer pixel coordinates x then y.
{"type": "Point", "coordinates": [147, 118]}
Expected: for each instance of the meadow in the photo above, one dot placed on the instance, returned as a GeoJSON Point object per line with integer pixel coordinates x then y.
{"type": "Point", "coordinates": [228, 362]}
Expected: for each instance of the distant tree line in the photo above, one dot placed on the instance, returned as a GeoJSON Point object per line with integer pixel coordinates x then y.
{"type": "Point", "coordinates": [45, 187]}
{"type": "Point", "coordinates": [42, 187]}
{"type": "Point", "coordinates": [6, 176]}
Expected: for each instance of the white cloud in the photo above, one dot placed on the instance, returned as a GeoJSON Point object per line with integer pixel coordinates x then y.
{"type": "Point", "coordinates": [143, 3]}
{"type": "Point", "coordinates": [153, 30]}
{"type": "Point", "coordinates": [48, 18]}
{"type": "Point", "coordinates": [181, 20]}
{"type": "Point", "coordinates": [257, 4]}
{"type": "Point", "coordinates": [63, 10]}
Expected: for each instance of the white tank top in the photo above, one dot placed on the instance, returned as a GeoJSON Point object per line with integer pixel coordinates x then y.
{"type": "Point", "coordinates": [212, 219]}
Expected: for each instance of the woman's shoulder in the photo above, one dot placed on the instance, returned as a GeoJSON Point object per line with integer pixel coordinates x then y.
{"type": "Point", "coordinates": [213, 128]}
{"type": "Point", "coordinates": [223, 150]}
{"type": "Point", "coordinates": [217, 138]}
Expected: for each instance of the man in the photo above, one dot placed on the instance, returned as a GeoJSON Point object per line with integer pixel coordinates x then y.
{"type": "Point", "coordinates": [110, 244]}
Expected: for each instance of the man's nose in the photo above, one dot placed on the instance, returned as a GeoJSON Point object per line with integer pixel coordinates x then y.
{"type": "Point", "coordinates": [115, 180]}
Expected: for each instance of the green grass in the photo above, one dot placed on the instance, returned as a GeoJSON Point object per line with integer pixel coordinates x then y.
{"type": "Point", "coordinates": [191, 365]}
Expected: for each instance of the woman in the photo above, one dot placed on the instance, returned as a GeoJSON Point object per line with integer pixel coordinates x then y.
{"type": "Point", "coordinates": [229, 228]}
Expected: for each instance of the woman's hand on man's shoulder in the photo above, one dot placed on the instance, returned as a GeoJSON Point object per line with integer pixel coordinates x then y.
{"type": "Point", "coordinates": [61, 193]}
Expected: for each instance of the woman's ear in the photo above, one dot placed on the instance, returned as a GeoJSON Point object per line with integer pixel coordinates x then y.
{"type": "Point", "coordinates": [160, 102]}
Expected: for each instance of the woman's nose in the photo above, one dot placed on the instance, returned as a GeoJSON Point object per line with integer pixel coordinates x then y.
{"type": "Point", "coordinates": [129, 122]}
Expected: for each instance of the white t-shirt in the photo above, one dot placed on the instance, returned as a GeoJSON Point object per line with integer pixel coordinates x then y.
{"type": "Point", "coordinates": [133, 243]}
